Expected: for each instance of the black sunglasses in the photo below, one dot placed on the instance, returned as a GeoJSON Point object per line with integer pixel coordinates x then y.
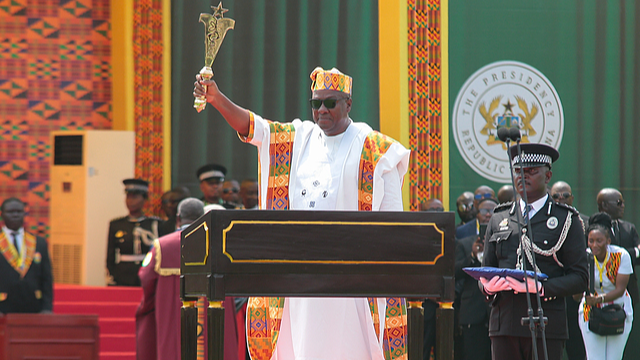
{"type": "Point", "coordinates": [480, 196]}
{"type": "Point", "coordinates": [226, 191]}
{"type": "Point", "coordinates": [486, 211]}
{"type": "Point", "coordinates": [328, 103]}
{"type": "Point", "coordinates": [564, 195]}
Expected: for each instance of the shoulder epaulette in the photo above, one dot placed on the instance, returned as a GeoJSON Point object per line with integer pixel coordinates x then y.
{"type": "Point", "coordinates": [119, 218]}
{"type": "Point", "coordinates": [568, 207]}
{"type": "Point", "coordinates": [503, 207]}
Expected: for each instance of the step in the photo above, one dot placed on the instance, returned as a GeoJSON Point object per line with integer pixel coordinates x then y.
{"type": "Point", "coordinates": [117, 325]}
{"type": "Point", "coordinates": [103, 309]}
{"type": "Point", "coordinates": [118, 342]}
{"type": "Point", "coordinates": [63, 292]}
{"type": "Point", "coordinates": [112, 355]}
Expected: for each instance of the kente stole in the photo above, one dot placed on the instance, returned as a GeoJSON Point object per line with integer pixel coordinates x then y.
{"type": "Point", "coordinates": [264, 314]}
{"type": "Point", "coordinates": [19, 264]}
{"type": "Point", "coordinates": [611, 267]}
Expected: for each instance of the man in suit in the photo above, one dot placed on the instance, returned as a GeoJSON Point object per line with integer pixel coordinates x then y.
{"type": "Point", "coordinates": [130, 236]}
{"type": "Point", "coordinates": [506, 194]}
{"type": "Point", "coordinates": [249, 194]}
{"type": "Point", "coordinates": [472, 227]}
{"type": "Point", "coordinates": [230, 194]}
{"type": "Point", "coordinates": [561, 193]}
{"type": "Point", "coordinates": [474, 310]}
{"type": "Point", "coordinates": [26, 282]}
{"type": "Point", "coordinates": [464, 206]}
{"type": "Point", "coordinates": [557, 242]}
{"type": "Point", "coordinates": [170, 201]}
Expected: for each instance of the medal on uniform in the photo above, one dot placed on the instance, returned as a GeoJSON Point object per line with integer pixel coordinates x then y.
{"type": "Point", "coordinates": [552, 222]}
{"type": "Point", "coordinates": [215, 29]}
{"type": "Point", "coordinates": [504, 224]}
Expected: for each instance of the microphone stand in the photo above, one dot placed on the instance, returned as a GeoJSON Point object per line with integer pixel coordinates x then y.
{"type": "Point", "coordinates": [531, 320]}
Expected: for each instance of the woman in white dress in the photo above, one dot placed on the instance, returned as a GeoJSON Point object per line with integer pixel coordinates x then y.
{"type": "Point", "coordinates": [612, 267]}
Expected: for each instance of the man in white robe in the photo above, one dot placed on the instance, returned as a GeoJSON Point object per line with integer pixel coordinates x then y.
{"type": "Point", "coordinates": [331, 163]}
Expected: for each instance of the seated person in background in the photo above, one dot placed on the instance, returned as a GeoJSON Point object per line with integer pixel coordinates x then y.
{"type": "Point", "coordinates": [26, 283]}
{"type": "Point", "coordinates": [158, 315]}
{"type": "Point", "coordinates": [474, 310]}
{"type": "Point", "coordinates": [230, 194]}
{"type": "Point", "coordinates": [464, 206]}
{"type": "Point", "coordinates": [611, 274]}
{"type": "Point", "coordinates": [506, 194]}
{"type": "Point", "coordinates": [472, 227]}
{"type": "Point", "coordinates": [170, 201]}
{"type": "Point", "coordinates": [249, 194]}
{"type": "Point", "coordinates": [211, 177]}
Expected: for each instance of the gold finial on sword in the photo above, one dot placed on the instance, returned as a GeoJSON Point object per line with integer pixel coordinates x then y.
{"type": "Point", "coordinates": [215, 29]}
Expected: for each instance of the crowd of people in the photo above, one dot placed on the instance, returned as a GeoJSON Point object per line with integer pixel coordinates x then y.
{"type": "Point", "coordinates": [485, 317]}
{"type": "Point", "coordinates": [334, 163]}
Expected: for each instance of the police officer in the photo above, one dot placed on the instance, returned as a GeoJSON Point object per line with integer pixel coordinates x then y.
{"type": "Point", "coordinates": [559, 247]}
{"type": "Point", "coordinates": [130, 237]}
{"type": "Point", "coordinates": [211, 178]}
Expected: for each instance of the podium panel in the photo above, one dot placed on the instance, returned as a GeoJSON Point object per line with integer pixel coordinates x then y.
{"type": "Point", "coordinates": [49, 336]}
{"type": "Point", "coordinates": [317, 254]}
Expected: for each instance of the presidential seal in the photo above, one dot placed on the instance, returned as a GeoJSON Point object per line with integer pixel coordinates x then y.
{"type": "Point", "coordinates": [504, 94]}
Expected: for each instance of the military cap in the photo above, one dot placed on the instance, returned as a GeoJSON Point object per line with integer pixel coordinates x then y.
{"type": "Point", "coordinates": [136, 185]}
{"type": "Point", "coordinates": [211, 171]}
{"type": "Point", "coordinates": [533, 155]}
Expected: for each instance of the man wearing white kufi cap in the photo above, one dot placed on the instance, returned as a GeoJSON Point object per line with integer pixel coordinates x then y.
{"type": "Point", "coordinates": [330, 163]}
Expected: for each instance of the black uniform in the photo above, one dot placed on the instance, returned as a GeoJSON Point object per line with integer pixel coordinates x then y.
{"type": "Point", "coordinates": [567, 275]}
{"type": "Point", "coordinates": [129, 241]}
{"type": "Point", "coordinates": [32, 293]}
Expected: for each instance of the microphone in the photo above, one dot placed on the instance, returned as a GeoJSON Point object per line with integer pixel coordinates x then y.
{"type": "Point", "coordinates": [514, 133]}
{"type": "Point", "coordinates": [508, 135]}
{"type": "Point", "coordinates": [503, 134]}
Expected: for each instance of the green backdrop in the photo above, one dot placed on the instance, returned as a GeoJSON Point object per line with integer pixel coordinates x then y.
{"type": "Point", "coordinates": [264, 65]}
{"type": "Point", "coordinates": [590, 51]}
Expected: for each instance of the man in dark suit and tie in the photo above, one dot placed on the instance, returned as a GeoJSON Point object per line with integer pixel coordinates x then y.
{"type": "Point", "coordinates": [26, 282]}
{"type": "Point", "coordinates": [474, 310]}
{"type": "Point", "coordinates": [561, 193]}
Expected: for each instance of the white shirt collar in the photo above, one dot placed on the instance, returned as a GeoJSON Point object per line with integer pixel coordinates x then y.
{"type": "Point", "coordinates": [8, 232]}
{"type": "Point", "coordinates": [535, 206]}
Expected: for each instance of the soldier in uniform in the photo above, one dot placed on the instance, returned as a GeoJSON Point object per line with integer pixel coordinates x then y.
{"type": "Point", "coordinates": [211, 178]}
{"type": "Point", "coordinates": [559, 247]}
{"type": "Point", "coordinates": [130, 237]}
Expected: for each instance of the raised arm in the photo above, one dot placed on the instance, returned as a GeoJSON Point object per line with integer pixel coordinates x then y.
{"type": "Point", "coordinates": [235, 115]}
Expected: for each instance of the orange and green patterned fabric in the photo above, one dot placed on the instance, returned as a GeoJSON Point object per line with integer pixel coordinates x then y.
{"type": "Point", "coordinates": [264, 314]}
{"type": "Point", "coordinates": [611, 267]}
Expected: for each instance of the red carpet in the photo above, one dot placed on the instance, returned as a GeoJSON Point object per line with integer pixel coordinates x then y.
{"type": "Point", "coordinates": [116, 307]}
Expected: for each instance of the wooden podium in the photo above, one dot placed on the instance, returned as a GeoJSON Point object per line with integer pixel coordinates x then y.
{"type": "Point", "coordinates": [316, 254]}
{"type": "Point", "coordinates": [49, 336]}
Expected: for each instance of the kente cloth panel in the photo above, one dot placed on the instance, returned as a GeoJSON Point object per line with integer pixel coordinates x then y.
{"type": "Point", "coordinates": [148, 110]}
{"type": "Point", "coordinates": [425, 100]}
{"type": "Point", "coordinates": [264, 314]}
{"type": "Point", "coordinates": [55, 74]}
